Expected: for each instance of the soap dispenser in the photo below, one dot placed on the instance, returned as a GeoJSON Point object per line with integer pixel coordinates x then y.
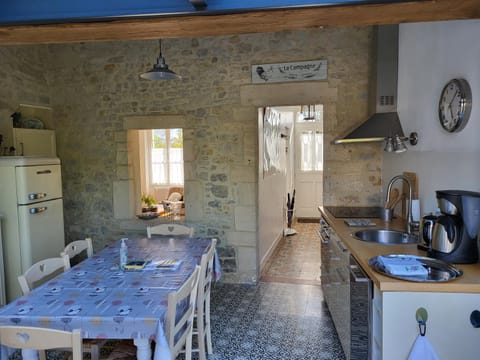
{"type": "Point", "coordinates": [123, 253]}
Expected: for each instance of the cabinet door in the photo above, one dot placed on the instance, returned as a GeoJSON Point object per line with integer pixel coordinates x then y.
{"type": "Point", "coordinates": [448, 327]}
{"type": "Point", "coordinates": [34, 142]}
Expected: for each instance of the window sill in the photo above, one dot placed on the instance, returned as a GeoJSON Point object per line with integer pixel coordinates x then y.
{"type": "Point", "coordinates": [141, 225]}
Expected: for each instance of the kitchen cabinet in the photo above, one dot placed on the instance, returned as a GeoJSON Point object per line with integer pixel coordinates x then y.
{"type": "Point", "coordinates": [335, 284]}
{"type": "Point", "coordinates": [448, 326]}
{"type": "Point", "coordinates": [34, 142]}
{"type": "Point", "coordinates": [395, 302]}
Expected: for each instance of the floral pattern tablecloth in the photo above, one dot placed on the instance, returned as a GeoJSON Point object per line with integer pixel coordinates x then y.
{"type": "Point", "coordinates": [107, 302]}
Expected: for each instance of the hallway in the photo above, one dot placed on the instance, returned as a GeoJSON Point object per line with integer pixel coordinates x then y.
{"type": "Point", "coordinates": [284, 317]}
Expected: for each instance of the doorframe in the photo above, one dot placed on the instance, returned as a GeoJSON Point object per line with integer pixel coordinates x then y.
{"type": "Point", "coordinates": [287, 94]}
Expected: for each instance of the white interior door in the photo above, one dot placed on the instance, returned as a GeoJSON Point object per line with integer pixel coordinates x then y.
{"type": "Point", "coordinates": [308, 168]}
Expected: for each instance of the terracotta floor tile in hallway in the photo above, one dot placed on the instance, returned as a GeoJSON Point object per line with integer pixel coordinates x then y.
{"type": "Point", "coordinates": [296, 258]}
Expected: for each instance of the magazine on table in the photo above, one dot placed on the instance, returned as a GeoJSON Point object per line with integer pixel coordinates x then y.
{"type": "Point", "coordinates": [165, 264]}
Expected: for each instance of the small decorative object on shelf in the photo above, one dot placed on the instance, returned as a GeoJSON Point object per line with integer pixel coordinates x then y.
{"type": "Point", "coordinates": [150, 203]}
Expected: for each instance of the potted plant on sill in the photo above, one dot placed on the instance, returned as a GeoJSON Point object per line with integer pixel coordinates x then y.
{"type": "Point", "coordinates": [150, 203]}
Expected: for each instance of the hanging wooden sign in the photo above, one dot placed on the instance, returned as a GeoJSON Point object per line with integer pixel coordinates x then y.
{"type": "Point", "coordinates": [292, 71]}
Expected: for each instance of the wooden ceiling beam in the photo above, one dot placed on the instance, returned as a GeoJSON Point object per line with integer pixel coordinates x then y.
{"type": "Point", "coordinates": [252, 22]}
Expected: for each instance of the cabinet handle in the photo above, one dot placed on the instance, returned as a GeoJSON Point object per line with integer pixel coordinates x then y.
{"type": "Point", "coordinates": [44, 172]}
{"type": "Point", "coordinates": [357, 274]}
{"type": "Point", "coordinates": [38, 210]}
{"type": "Point", "coordinates": [340, 245]}
{"type": "Point", "coordinates": [36, 196]}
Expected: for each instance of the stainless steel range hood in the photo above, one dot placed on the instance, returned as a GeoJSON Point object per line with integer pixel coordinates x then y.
{"type": "Point", "coordinates": [384, 122]}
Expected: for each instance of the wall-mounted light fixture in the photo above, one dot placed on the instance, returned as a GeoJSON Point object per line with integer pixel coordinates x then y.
{"type": "Point", "coordinates": [308, 112]}
{"type": "Point", "coordinates": [397, 143]}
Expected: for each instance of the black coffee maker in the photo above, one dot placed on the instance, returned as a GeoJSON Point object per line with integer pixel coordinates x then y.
{"type": "Point", "coordinates": [454, 237]}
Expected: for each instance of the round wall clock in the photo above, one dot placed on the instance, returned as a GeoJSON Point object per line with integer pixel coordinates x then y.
{"type": "Point", "coordinates": [455, 105]}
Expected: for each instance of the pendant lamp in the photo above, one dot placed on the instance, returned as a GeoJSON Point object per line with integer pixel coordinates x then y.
{"type": "Point", "coordinates": [160, 70]}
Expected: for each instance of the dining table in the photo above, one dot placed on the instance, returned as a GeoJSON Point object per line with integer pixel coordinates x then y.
{"type": "Point", "coordinates": [109, 302]}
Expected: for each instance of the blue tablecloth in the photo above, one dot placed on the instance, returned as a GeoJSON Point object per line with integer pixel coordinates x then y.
{"type": "Point", "coordinates": [107, 302]}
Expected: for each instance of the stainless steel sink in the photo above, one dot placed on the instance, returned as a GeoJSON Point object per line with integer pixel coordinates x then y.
{"type": "Point", "coordinates": [385, 236]}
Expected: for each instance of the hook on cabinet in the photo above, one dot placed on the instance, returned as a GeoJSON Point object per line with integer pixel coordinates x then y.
{"type": "Point", "coordinates": [422, 316]}
{"type": "Point", "coordinates": [475, 318]}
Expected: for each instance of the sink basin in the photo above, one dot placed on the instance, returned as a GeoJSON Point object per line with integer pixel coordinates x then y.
{"type": "Point", "coordinates": [385, 236]}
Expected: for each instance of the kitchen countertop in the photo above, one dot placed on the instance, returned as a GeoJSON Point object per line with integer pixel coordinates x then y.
{"type": "Point", "coordinates": [469, 282]}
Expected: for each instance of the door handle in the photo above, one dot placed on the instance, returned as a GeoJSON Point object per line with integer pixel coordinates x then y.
{"type": "Point", "coordinates": [35, 196]}
{"type": "Point", "coordinates": [38, 210]}
{"type": "Point", "coordinates": [41, 172]}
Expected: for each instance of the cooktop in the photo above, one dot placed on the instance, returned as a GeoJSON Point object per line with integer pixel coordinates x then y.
{"type": "Point", "coordinates": [354, 211]}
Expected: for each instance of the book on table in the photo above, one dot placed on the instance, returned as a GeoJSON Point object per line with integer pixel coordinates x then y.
{"type": "Point", "coordinates": [136, 264]}
{"type": "Point", "coordinates": [167, 264]}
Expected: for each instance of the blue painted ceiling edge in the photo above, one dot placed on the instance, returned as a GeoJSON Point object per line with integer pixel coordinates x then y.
{"type": "Point", "coordinates": [25, 12]}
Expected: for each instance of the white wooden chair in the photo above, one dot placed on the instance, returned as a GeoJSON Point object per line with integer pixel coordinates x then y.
{"type": "Point", "coordinates": [32, 338]}
{"type": "Point", "coordinates": [169, 230]}
{"type": "Point", "coordinates": [202, 314]}
{"type": "Point", "coordinates": [41, 271]}
{"type": "Point", "coordinates": [179, 331]}
{"type": "Point", "coordinates": [75, 248]}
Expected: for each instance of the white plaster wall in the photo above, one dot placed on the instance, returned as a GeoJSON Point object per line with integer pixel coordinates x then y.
{"type": "Point", "coordinates": [430, 54]}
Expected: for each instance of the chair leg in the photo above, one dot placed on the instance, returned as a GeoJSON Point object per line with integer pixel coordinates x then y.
{"type": "Point", "coordinates": [206, 328]}
{"type": "Point", "coordinates": [201, 333]}
{"type": "Point", "coordinates": [188, 344]}
{"type": "Point", "coordinates": [94, 352]}
{"type": "Point", "coordinates": [42, 355]}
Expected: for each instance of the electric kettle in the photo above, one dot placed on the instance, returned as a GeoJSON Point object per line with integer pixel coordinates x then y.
{"type": "Point", "coordinates": [426, 231]}
{"type": "Point", "coordinates": [446, 233]}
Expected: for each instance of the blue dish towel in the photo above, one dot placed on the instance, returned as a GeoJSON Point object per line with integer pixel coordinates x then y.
{"type": "Point", "coordinates": [402, 266]}
{"type": "Point", "coordinates": [422, 350]}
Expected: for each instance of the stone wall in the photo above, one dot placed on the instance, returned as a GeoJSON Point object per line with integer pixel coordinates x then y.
{"type": "Point", "coordinates": [93, 87]}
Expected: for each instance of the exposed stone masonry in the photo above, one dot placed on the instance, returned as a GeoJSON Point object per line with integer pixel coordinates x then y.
{"type": "Point", "coordinates": [92, 87]}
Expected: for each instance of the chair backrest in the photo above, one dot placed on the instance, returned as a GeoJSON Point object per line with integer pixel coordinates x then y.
{"type": "Point", "coordinates": [179, 320]}
{"type": "Point", "coordinates": [21, 337]}
{"type": "Point", "coordinates": [206, 275]}
{"type": "Point", "coordinates": [41, 271]}
{"type": "Point", "coordinates": [76, 247]}
{"type": "Point", "coordinates": [169, 229]}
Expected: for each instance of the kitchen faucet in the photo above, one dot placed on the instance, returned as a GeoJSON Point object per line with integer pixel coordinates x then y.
{"type": "Point", "coordinates": [411, 225]}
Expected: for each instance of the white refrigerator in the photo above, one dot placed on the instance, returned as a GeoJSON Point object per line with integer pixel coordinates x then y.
{"type": "Point", "coordinates": [32, 209]}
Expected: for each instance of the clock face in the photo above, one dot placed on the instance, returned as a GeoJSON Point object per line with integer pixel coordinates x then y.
{"type": "Point", "coordinates": [455, 105]}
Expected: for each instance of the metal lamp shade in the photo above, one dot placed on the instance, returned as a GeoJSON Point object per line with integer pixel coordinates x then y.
{"type": "Point", "coordinates": [160, 70]}
{"type": "Point", "coordinates": [388, 145]}
{"type": "Point", "coordinates": [398, 145]}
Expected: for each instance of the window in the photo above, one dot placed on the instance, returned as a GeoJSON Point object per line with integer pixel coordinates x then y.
{"type": "Point", "coordinates": [309, 132]}
{"type": "Point", "coordinates": [166, 157]}
{"type": "Point", "coordinates": [311, 151]}
{"type": "Point", "coordinates": [155, 150]}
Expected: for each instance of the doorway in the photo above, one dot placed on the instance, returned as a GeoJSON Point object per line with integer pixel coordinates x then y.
{"type": "Point", "coordinates": [308, 161]}
{"type": "Point", "coordinates": [290, 160]}
{"type": "Point", "coordinates": [301, 128]}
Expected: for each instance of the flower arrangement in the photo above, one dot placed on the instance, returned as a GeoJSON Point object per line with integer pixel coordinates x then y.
{"type": "Point", "coordinates": [149, 202]}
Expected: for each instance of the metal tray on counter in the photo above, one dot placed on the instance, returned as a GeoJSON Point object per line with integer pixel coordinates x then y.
{"type": "Point", "coordinates": [438, 271]}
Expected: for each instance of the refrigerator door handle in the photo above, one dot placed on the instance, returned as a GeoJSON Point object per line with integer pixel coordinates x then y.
{"type": "Point", "coordinates": [44, 172]}
{"type": "Point", "coordinates": [38, 210]}
{"type": "Point", "coordinates": [36, 196]}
